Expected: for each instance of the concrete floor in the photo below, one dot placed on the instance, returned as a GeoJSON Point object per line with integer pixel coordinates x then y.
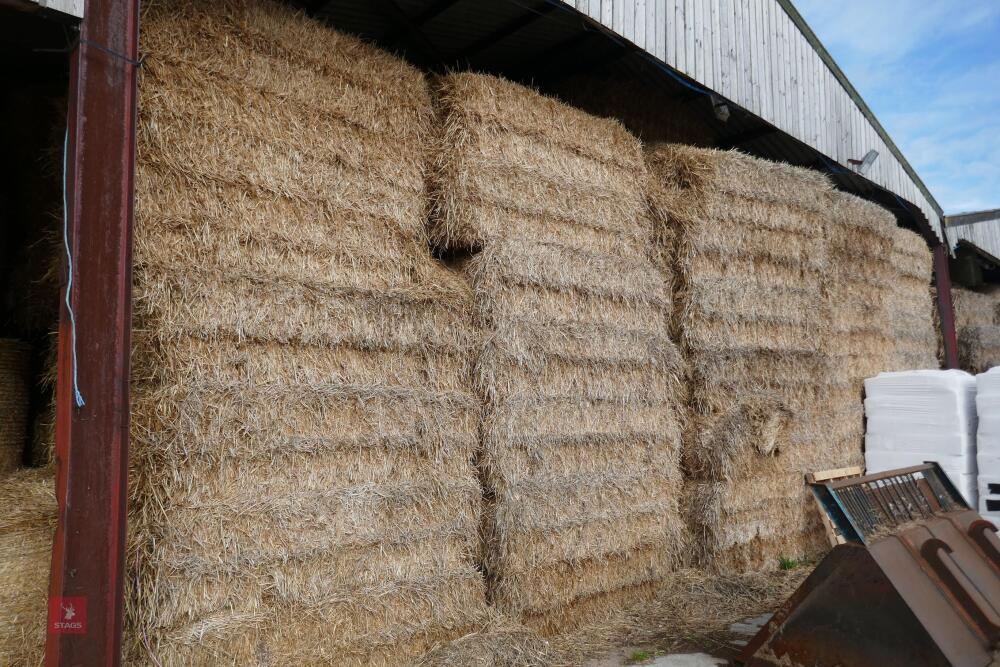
{"type": "Point", "coordinates": [622, 657]}
{"type": "Point", "coordinates": [740, 633]}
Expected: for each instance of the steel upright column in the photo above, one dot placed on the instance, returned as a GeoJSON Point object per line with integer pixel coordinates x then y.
{"type": "Point", "coordinates": [946, 313]}
{"type": "Point", "coordinates": [85, 590]}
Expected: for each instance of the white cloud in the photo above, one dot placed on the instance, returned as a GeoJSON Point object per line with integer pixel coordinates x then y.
{"type": "Point", "coordinates": [931, 73]}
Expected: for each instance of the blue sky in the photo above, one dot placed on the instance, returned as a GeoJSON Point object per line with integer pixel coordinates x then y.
{"type": "Point", "coordinates": [930, 70]}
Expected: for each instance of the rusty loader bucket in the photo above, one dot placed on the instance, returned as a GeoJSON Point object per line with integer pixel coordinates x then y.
{"type": "Point", "coordinates": [916, 582]}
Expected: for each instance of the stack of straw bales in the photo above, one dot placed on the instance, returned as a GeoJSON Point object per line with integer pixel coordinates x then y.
{"type": "Point", "coordinates": [27, 524]}
{"type": "Point", "coordinates": [857, 289]}
{"type": "Point", "coordinates": [15, 361]}
{"type": "Point", "coordinates": [860, 244]}
{"type": "Point", "coordinates": [977, 323]}
{"type": "Point", "coordinates": [911, 310]}
{"type": "Point", "coordinates": [975, 308]}
{"type": "Point", "coordinates": [303, 488]}
{"type": "Point", "coordinates": [749, 257]}
{"type": "Point", "coordinates": [580, 438]}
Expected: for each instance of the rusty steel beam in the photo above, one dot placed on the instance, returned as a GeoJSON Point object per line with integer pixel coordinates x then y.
{"type": "Point", "coordinates": [92, 440]}
{"type": "Point", "coordinates": [946, 312]}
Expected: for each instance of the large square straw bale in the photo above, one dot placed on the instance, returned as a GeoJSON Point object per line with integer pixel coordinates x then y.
{"type": "Point", "coordinates": [580, 438]}
{"type": "Point", "coordinates": [303, 488]}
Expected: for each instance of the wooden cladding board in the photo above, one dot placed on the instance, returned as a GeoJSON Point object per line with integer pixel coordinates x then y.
{"type": "Point", "coordinates": [755, 54]}
{"type": "Point", "coordinates": [69, 7]}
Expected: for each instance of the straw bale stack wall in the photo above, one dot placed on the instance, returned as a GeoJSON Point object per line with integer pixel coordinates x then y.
{"type": "Point", "coordinates": [860, 244]}
{"type": "Point", "coordinates": [912, 311]}
{"type": "Point", "coordinates": [787, 295]}
{"type": "Point", "coordinates": [580, 437]}
{"type": "Point", "coordinates": [302, 486]}
{"type": "Point", "coordinates": [975, 308]}
{"type": "Point", "coordinates": [750, 258]}
{"type": "Point", "coordinates": [858, 292]}
{"type": "Point", "coordinates": [979, 348]}
{"type": "Point", "coordinates": [977, 323]}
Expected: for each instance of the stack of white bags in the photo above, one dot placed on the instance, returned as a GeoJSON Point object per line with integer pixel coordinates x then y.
{"type": "Point", "coordinates": [917, 416]}
{"type": "Point", "coordinates": [988, 405]}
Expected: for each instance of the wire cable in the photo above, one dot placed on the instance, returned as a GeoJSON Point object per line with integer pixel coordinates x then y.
{"type": "Point", "coordinates": [77, 396]}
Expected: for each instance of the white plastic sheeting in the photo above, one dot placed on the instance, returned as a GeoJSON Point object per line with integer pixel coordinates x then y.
{"type": "Point", "coordinates": [918, 416]}
{"type": "Point", "coordinates": [988, 438]}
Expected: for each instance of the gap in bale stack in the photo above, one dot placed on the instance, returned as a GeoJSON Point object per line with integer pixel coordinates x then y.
{"type": "Point", "coordinates": [31, 138]}
{"type": "Point", "coordinates": [580, 438]}
{"type": "Point", "coordinates": [651, 112]}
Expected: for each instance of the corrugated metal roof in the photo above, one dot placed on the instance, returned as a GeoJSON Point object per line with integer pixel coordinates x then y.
{"type": "Point", "coordinates": [980, 229]}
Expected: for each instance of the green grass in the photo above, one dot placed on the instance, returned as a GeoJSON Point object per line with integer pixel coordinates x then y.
{"type": "Point", "coordinates": [788, 563]}
{"type": "Point", "coordinates": [639, 657]}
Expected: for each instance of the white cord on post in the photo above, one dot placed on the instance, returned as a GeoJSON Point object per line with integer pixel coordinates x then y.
{"type": "Point", "coordinates": [77, 396]}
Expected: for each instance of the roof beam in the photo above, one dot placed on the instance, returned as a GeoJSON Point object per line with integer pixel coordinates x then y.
{"type": "Point", "coordinates": [747, 137]}
{"type": "Point", "coordinates": [410, 27]}
{"type": "Point", "coordinates": [972, 218]}
{"type": "Point", "coordinates": [413, 23]}
{"type": "Point", "coordinates": [504, 31]}
{"type": "Point", "coordinates": [582, 53]}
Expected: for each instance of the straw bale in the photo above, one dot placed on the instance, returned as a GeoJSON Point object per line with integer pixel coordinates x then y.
{"type": "Point", "coordinates": [213, 305]}
{"type": "Point", "coordinates": [606, 609]}
{"type": "Point", "coordinates": [27, 524]}
{"type": "Point", "coordinates": [499, 643]}
{"type": "Point", "coordinates": [911, 309]}
{"type": "Point", "coordinates": [304, 426]}
{"type": "Point", "coordinates": [730, 173]}
{"type": "Point", "coordinates": [762, 255]}
{"type": "Point", "coordinates": [580, 434]}
{"type": "Point", "coordinates": [564, 176]}
{"type": "Point", "coordinates": [979, 348]}
{"type": "Point", "coordinates": [748, 525]}
{"type": "Point", "coordinates": [760, 555]}
{"type": "Point", "coordinates": [15, 361]}
{"type": "Point", "coordinates": [747, 263]}
{"type": "Point", "coordinates": [860, 241]}
{"type": "Point", "coordinates": [975, 309]}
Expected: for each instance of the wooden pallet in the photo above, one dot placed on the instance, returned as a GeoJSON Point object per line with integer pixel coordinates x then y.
{"type": "Point", "coordinates": [830, 476]}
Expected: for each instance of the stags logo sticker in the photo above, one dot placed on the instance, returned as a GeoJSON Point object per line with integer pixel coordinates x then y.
{"type": "Point", "coordinates": [68, 616]}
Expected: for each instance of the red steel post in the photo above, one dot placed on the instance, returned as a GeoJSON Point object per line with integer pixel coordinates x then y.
{"type": "Point", "coordinates": [85, 589]}
{"type": "Point", "coordinates": [946, 312]}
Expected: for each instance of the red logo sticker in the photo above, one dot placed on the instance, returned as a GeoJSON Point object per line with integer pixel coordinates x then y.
{"type": "Point", "coordinates": [68, 616]}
